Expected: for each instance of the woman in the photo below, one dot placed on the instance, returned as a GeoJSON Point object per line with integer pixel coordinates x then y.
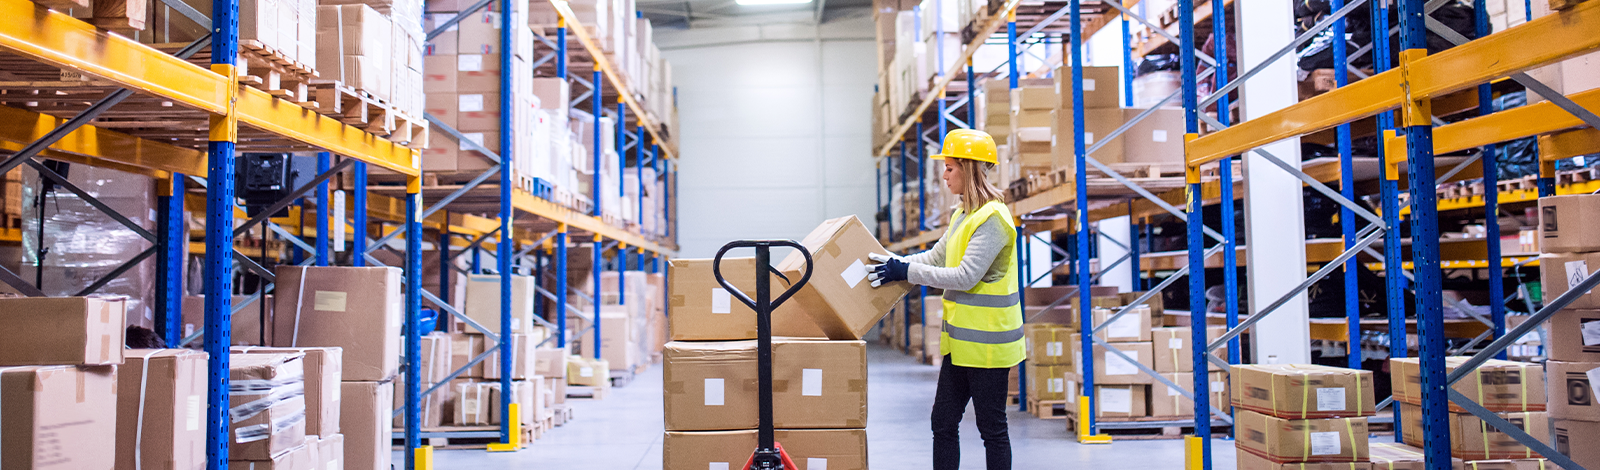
{"type": "Point", "coordinates": [976, 266]}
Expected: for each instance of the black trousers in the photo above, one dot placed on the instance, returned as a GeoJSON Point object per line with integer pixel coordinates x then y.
{"type": "Point", "coordinates": [986, 388]}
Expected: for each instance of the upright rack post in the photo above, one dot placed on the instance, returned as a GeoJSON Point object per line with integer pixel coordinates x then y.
{"type": "Point", "coordinates": [1491, 198]}
{"type": "Point", "coordinates": [595, 147]}
{"type": "Point", "coordinates": [905, 230]}
{"type": "Point", "coordinates": [224, 132]}
{"type": "Point", "coordinates": [1011, 82]}
{"type": "Point", "coordinates": [1081, 229]}
{"type": "Point", "coordinates": [1347, 188]}
{"type": "Point", "coordinates": [503, 248]}
{"type": "Point", "coordinates": [561, 286]}
{"type": "Point", "coordinates": [358, 216]}
{"type": "Point", "coordinates": [413, 325]}
{"type": "Point", "coordinates": [1417, 117]}
{"type": "Point", "coordinates": [171, 236]}
{"type": "Point", "coordinates": [1022, 291]}
{"type": "Point", "coordinates": [1394, 279]}
{"type": "Point", "coordinates": [597, 266]}
{"type": "Point", "coordinates": [323, 209]}
{"type": "Point", "coordinates": [622, 152]}
{"type": "Point", "coordinates": [1230, 253]}
{"type": "Point", "coordinates": [1198, 445]}
{"type": "Point", "coordinates": [922, 179]}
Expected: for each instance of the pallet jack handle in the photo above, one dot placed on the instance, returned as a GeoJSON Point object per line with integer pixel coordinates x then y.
{"type": "Point", "coordinates": [768, 454]}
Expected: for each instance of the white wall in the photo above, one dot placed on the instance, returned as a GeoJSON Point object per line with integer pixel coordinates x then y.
{"type": "Point", "coordinates": [775, 132]}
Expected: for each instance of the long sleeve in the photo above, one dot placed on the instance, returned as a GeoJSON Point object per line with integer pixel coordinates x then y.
{"type": "Point", "coordinates": [935, 256]}
{"type": "Point", "coordinates": [988, 242]}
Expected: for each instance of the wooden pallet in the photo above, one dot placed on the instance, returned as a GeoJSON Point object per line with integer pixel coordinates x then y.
{"type": "Point", "coordinates": [362, 110]}
{"type": "Point", "coordinates": [621, 378]}
{"type": "Point", "coordinates": [1149, 427]}
{"type": "Point", "coordinates": [1049, 409]}
{"type": "Point", "coordinates": [585, 391]}
{"type": "Point", "coordinates": [560, 414]}
{"type": "Point", "coordinates": [274, 72]}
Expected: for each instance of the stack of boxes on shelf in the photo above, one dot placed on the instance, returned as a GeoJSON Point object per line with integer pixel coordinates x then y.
{"type": "Point", "coordinates": [1573, 339]}
{"type": "Point", "coordinates": [475, 397]}
{"type": "Point", "coordinates": [1121, 389]}
{"type": "Point", "coordinates": [1287, 415]}
{"type": "Point", "coordinates": [1173, 349]}
{"type": "Point", "coordinates": [633, 325]}
{"type": "Point", "coordinates": [374, 47]}
{"type": "Point", "coordinates": [59, 380]}
{"type": "Point", "coordinates": [1515, 391]}
{"type": "Point", "coordinates": [818, 360]}
{"type": "Point", "coordinates": [462, 85]}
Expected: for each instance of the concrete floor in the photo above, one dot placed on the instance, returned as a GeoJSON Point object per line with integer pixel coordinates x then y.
{"type": "Point", "coordinates": [624, 431]}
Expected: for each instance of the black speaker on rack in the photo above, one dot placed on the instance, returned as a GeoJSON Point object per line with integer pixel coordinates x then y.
{"type": "Point", "coordinates": [263, 179]}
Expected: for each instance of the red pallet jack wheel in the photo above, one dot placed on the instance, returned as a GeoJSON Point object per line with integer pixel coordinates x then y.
{"type": "Point", "coordinates": [769, 455]}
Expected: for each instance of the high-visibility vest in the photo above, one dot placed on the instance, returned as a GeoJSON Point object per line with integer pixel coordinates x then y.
{"type": "Point", "coordinates": [983, 325]}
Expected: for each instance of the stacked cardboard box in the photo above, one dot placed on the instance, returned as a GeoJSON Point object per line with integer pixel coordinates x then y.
{"type": "Point", "coordinates": [1049, 361]}
{"type": "Point", "coordinates": [1122, 388]}
{"type": "Point", "coordinates": [374, 47]}
{"type": "Point", "coordinates": [473, 397]}
{"type": "Point", "coordinates": [59, 362]}
{"type": "Point", "coordinates": [1102, 114]}
{"type": "Point", "coordinates": [1570, 76]}
{"type": "Point", "coordinates": [1573, 337]}
{"type": "Point", "coordinates": [1293, 413]}
{"type": "Point", "coordinates": [1031, 122]}
{"type": "Point", "coordinates": [267, 395]}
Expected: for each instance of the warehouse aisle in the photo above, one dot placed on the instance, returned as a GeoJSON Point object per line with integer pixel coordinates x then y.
{"type": "Point", "coordinates": [624, 432]}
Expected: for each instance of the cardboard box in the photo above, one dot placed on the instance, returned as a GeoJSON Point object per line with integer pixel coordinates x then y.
{"type": "Point", "coordinates": [306, 456]}
{"type": "Point", "coordinates": [1111, 369]}
{"type": "Point", "coordinates": [1249, 461]}
{"type": "Point", "coordinates": [550, 362]}
{"type": "Point", "coordinates": [1302, 440]}
{"type": "Point", "coordinates": [324, 367]}
{"type": "Point", "coordinates": [161, 400]}
{"type": "Point", "coordinates": [1174, 348]}
{"type": "Point", "coordinates": [1102, 87]}
{"type": "Point", "coordinates": [472, 407]}
{"type": "Point", "coordinates": [356, 309]}
{"type": "Point", "coordinates": [831, 449]}
{"type": "Point", "coordinates": [617, 344]}
{"type": "Point", "coordinates": [268, 404]}
{"type": "Point", "coordinates": [524, 393]}
{"type": "Point", "coordinates": [61, 331]}
{"type": "Point", "coordinates": [477, 73]}
{"type": "Point", "coordinates": [1281, 390]}
{"type": "Point", "coordinates": [1121, 401]}
{"type": "Point", "coordinates": [837, 297]}
{"type": "Point", "coordinates": [330, 449]}
{"type": "Point", "coordinates": [1569, 213]}
{"type": "Point", "coordinates": [816, 384]}
{"type": "Point", "coordinates": [1157, 139]}
{"type": "Point", "coordinates": [701, 310]}
{"type": "Point", "coordinates": [439, 75]}
{"type": "Point", "coordinates": [1048, 382]}
{"type": "Point", "coordinates": [1574, 336]}
{"type": "Point", "coordinates": [1473, 439]}
{"type": "Point", "coordinates": [1131, 327]}
{"type": "Point", "coordinates": [1047, 343]}
{"type": "Point", "coordinates": [50, 407]}
{"type": "Point", "coordinates": [1098, 124]}
{"type": "Point", "coordinates": [1164, 401]}
{"type": "Point", "coordinates": [1497, 385]}
{"type": "Point", "coordinates": [483, 303]}
{"type": "Point", "coordinates": [1031, 98]}
{"type": "Point", "coordinates": [1396, 456]}
{"type": "Point", "coordinates": [365, 419]}
{"type": "Point", "coordinates": [1573, 387]}
{"type": "Point", "coordinates": [1560, 272]}
{"type": "Point", "coordinates": [1571, 435]}
{"type": "Point", "coordinates": [588, 372]}
{"type": "Point", "coordinates": [246, 324]}
{"type": "Point", "coordinates": [435, 357]}
{"type": "Point", "coordinates": [464, 347]}
{"type": "Point", "coordinates": [1510, 464]}
{"type": "Point", "coordinates": [523, 360]}
{"type": "Point", "coordinates": [430, 405]}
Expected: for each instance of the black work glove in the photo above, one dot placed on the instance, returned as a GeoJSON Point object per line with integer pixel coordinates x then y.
{"type": "Point", "coordinates": [892, 269]}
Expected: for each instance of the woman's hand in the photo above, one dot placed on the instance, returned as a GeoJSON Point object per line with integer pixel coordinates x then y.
{"type": "Point", "coordinates": [892, 269]}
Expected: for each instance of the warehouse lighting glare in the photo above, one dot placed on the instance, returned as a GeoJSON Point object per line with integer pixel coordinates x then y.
{"type": "Point", "coordinates": [771, 2]}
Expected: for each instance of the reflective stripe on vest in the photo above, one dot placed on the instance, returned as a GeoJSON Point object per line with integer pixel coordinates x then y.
{"type": "Point", "coordinates": [980, 336]}
{"type": "Point", "coordinates": [983, 300]}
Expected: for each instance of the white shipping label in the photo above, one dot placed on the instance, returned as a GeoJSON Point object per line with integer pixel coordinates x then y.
{"type": "Point", "coordinates": [1577, 271]}
{"type": "Point", "coordinates": [721, 300]}
{"type": "Point", "coordinates": [714, 392]}
{"type": "Point", "coordinates": [1174, 343]}
{"type": "Point", "coordinates": [1116, 366]}
{"type": "Point", "coordinates": [1325, 443]}
{"type": "Point", "coordinates": [191, 422]}
{"type": "Point", "coordinates": [1088, 84]}
{"type": "Point", "coordinates": [1126, 326]}
{"type": "Point", "coordinates": [1172, 392]}
{"type": "Point", "coordinates": [338, 221]}
{"type": "Point", "coordinates": [188, 329]}
{"type": "Point", "coordinates": [854, 274]}
{"type": "Point", "coordinates": [1088, 138]}
{"type": "Point", "coordinates": [1116, 400]}
{"type": "Point", "coordinates": [1591, 332]}
{"type": "Point", "coordinates": [470, 104]}
{"type": "Point", "coordinates": [1053, 349]}
{"type": "Point", "coordinates": [717, 466]}
{"type": "Point", "coordinates": [1594, 381]}
{"type": "Point", "coordinates": [1218, 387]}
{"type": "Point", "coordinates": [586, 372]}
{"type": "Point", "coordinates": [1158, 135]}
{"type": "Point", "coordinates": [469, 63]}
{"type": "Point", "coordinates": [811, 382]}
{"type": "Point", "coordinates": [1058, 385]}
{"type": "Point", "coordinates": [813, 463]}
{"type": "Point", "coordinates": [1072, 394]}
{"type": "Point", "coordinates": [1330, 399]}
{"type": "Point", "coordinates": [329, 301]}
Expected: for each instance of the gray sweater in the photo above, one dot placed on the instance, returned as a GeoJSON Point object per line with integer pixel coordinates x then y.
{"type": "Point", "coordinates": [983, 260]}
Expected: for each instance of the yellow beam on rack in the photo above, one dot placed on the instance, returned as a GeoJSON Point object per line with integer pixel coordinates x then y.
{"type": "Point", "coordinates": [100, 147]}
{"type": "Point", "coordinates": [60, 40]}
{"type": "Point", "coordinates": [525, 202]}
{"type": "Point", "coordinates": [603, 63]}
{"type": "Point", "coordinates": [1511, 124]}
{"type": "Point", "coordinates": [1541, 41]}
{"type": "Point", "coordinates": [957, 67]}
{"type": "Point", "coordinates": [1569, 144]}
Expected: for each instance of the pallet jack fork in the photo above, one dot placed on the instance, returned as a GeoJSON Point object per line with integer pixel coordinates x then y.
{"type": "Point", "coordinates": [769, 455]}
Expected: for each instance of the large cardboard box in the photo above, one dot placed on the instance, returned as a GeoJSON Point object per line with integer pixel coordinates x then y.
{"type": "Point", "coordinates": [1048, 382]}
{"type": "Point", "coordinates": [816, 384]}
{"type": "Point", "coordinates": [523, 357]}
{"type": "Point", "coordinates": [1574, 335]}
{"type": "Point", "coordinates": [435, 357]}
{"type": "Point", "coordinates": [701, 310]}
{"type": "Point", "coordinates": [1131, 327]}
{"type": "Point", "coordinates": [464, 347]}
{"type": "Point", "coordinates": [366, 422]}
{"type": "Point", "coordinates": [1249, 461]}
{"type": "Point", "coordinates": [356, 309]}
{"type": "Point", "coordinates": [1560, 272]}
{"type": "Point", "coordinates": [1032, 98]}
{"type": "Point", "coordinates": [161, 400]}
{"type": "Point", "coordinates": [1563, 226]}
{"type": "Point", "coordinates": [324, 368]}
{"type": "Point", "coordinates": [431, 406]}
{"type": "Point", "coordinates": [330, 449]}
{"type": "Point", "coordinates": [1497, 385]}
{"type": "Point", "coordinates": [61, 331]}
{"type": "Point", "coordinates": [246, 329]}
{"type": "Point", "coordinates": [817, 449]}
{"type": "Point", "coordinates": [1111, 369]}
{"type": "Point", "coordinates": [483, 303]}
{"type": "Point", "coordinates": [477, 73]}
{"type": "Point", "coordinates": [1165, 401]}
{"type": "Point", "coordinates": [1473, 439]}
{"type": "Point", "coordinates": [1102, 87]}
{"type": "Point", "coordinates": [479, 113]}
{"type": "Point", "coordinates": [472, 407]}
{"type": "Point", "coordinates": [1510, 464]}
{"type": "Point", "coordinates": [1047, 343]}
{"type": "Point", "coordinates": [48, 408]}
{"type": "Point", "coordinates": [1302, 440]}
{"type": "Point", "coordinates": [1157, 139]}
{"type": "Point", "coordinates": [550, 362]}
{"type": "Point", "coordinates": [1121, 401]}
{"type": "Point", "coordinates": [1573, 387]}
{"type": "Point", "coordinates": [1397, 456]}
{"type": "Point", "coordinates": [838, 296]}
{"type": "Point", "coordinates": [1575, 439]}
{"type": "Point", "coordinates": [306, 456]}
{"type": "Point", "coordinates": [1174, 348]}
{"type": "Point", "coordinates": [618, 345]}
{"type": "Point", "coordinates": [588, 372]}
{"type": "Point", "coordinates": [1300, 391]}
{"type": "Point", "coordinates": [1098, 124]}
{"type": "Point", "coordinates": [268, 404]}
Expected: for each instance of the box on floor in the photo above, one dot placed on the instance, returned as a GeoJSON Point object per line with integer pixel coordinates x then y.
{"type": "Point", "coordinates": [1251, 461]}
{"type": "Point", "coordinates": [588, 372]}
{"type": "Point", "coordinates": [1302, 390]}
{"type": "Point", "coordinates": [323, 370]}
{"type": "Point", "coordinates": [816, 384]}
{"type": "Point", "coordinates": [1302, 440]}
{"type": "Point", "coordinates": [357, 309]}
{"type": "Point", "coordinates": [61, 331]}
{"type": "Point", "coordinates": [1473, 439]}
{"type": "Point", "coordinates": [1498, 385]}
{"type": "Point", "coordinates": [366, 423]}
{"type": "Point", "coordinates": [49, 404]}
{"type": "Point", "coordinates": [268, 404]}
{"type": "Point", "coordinates": [837, 297]}
{"type": "Point", "coordinates": [161, 397]}
{"type": "Point", "coordinates": [833, 449]}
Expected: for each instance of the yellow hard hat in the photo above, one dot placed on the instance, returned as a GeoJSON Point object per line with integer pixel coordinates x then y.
{"type": "Point", "coordinates": [969, 144]}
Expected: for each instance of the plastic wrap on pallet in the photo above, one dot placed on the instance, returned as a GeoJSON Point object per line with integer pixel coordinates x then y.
{"type": "Point", "coordinates": [84, 244]}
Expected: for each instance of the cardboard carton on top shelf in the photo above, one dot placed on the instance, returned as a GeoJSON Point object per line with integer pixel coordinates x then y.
{"type": "Point", "coordinates": [835, 449]}
{"type": "Point", "coordinates": [1574, 336]}
{"type": "Point", "coordinates": [1302, 440]}
{"type": "Point", "coordinates": [160, 398]}
{"type": "Point", "coordinates": [1281, 390]}
{"type": "Point", "coordinates": [366, 421]}
{"type": "Point", "coordinates": [816, 384]}
{"type": "Point", "coordinates": [61, 331]}
{"type": "Point", "coordinates": [357, 309]}
{"type": "Point", "coordinates": [1497, 385]}
{"type": "Point", "coordinates": [838, 297]}
{"type": "Point", "coordinates": [323, 370]}
{"type": "Point", "coordinates": [701, 310]}
{"type": "Point", "coordinates": [1572, 390]}
{"type": "Point", "coordinates": [1562, 223]}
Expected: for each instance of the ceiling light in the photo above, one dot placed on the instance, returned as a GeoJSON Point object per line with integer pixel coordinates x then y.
{"type": "Point", "coordinates": [771, 2]}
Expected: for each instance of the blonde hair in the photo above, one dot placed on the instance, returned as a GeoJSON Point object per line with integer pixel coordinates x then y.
{"type": "Point", "coordinates": [979, 190]}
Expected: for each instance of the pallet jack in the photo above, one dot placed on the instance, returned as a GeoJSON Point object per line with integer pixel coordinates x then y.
{"type": "Point", "coordinates": [769, 455]}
